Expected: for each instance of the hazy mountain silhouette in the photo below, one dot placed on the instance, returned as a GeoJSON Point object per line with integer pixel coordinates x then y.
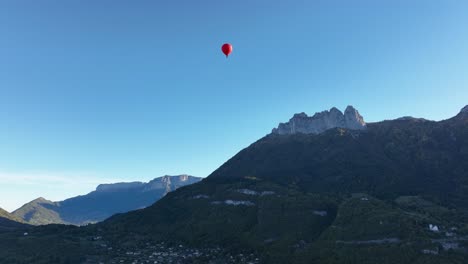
{"type": "Point", "coordinates": [106, 200]}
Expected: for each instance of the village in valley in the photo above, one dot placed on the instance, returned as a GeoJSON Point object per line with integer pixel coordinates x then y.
{"type": "Point", "coordinates": [166, 253]}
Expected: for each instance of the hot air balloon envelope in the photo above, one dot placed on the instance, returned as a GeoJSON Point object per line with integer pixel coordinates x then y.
{"type": "Point", "coordinates": [227, 49]}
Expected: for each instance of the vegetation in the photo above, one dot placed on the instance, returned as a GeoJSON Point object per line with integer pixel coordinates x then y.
{"type": "Point", "coordinates": [395, 193]}
{"type": "Point", "coordinates": [7, 215]}
{"type": "Point", "coordinates": [40, 212]}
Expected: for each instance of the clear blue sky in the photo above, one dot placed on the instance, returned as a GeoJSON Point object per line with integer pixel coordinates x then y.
{"type": "Point", "coordinates": [99, 91]}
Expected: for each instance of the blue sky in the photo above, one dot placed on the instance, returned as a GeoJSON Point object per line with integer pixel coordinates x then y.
{"type": "Point", "coordinates": [103, 91]}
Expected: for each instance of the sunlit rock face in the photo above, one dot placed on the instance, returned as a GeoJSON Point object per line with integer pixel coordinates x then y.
{"type": "Point", "coordinates": [320, 122]}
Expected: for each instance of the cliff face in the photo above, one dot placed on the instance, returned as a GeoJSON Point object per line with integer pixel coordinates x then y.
{"type": "Point", "coordinates": [320, 122]}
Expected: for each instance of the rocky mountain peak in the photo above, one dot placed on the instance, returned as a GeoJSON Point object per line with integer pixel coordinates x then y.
{"type": "Point", "coordinates": [41, 200]}
{"type": "Point", "coordinates": [350, 110]}
{"type": "Point", "coordinates": [320, 122]}
{"type": "Point", "coordinates": [353, 120]}
{"type": "Point", "coordinates": [335, 110]}
{"type": "Point", "coordinates": [300, 115]}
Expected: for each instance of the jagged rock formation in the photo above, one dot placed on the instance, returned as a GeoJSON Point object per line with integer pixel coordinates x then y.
{"type": "Point", "coordinates": [320, 122]}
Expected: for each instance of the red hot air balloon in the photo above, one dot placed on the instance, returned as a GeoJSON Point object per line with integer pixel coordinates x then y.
{"type": "Point", "coordinates": [227, 49]}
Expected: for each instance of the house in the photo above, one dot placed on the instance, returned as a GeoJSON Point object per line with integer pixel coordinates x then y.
{"type": "Point", "coordinates": [433, 228]}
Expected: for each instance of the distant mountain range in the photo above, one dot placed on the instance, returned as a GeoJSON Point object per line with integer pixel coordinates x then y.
{"type": "Point", "coordinates": [105, 201]}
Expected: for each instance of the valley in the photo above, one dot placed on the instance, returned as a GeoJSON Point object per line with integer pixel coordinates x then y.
{"type": "Point", "coordinates": [392, 192]}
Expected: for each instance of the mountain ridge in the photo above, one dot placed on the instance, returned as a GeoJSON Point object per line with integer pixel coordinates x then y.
{"type": "Point", "coordinates": [106, 200]}
{"type": "Point", "coordinates": [9, 222]}
{"type": "Point", "coordinates": [7, 215]}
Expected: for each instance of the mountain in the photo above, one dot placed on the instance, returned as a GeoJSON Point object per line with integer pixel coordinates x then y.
{"type": "Point", "coordinates": [387, 159]}
{"type": "Point", "coordinates": [40, 212]}
{"type": "Point", "coordinates": [106, 200]}
{"type": "Point", "coordinates": [9, 221]}
{"type": "Point", "coordinates": [394, 191]}
{"type": "Point", "coordinates": [320, 122]}
{"type": "Point", "coordinates": [7, 215]}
